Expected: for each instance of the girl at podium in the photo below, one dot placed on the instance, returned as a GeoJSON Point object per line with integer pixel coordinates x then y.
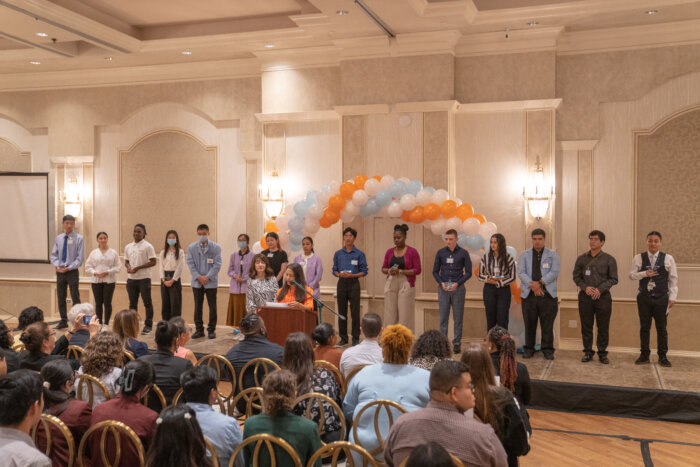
{"type": "Point", "coordinates": [291, 293]}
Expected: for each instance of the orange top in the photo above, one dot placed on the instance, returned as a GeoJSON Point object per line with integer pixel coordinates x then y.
{"type": "Point", "coordinates": [290, 297]}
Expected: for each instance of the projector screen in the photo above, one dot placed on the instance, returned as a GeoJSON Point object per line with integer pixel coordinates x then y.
{"type": "Point", "coordinates": [24, 211]}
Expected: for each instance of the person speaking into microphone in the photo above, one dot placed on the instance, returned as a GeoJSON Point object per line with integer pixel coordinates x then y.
{"type": "Point", "coordinates": [294, 290]}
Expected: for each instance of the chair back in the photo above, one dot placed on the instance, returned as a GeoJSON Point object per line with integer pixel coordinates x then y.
{"type": "Point", "coordinates": [119, 433]}
{"type": "Point", "coordinates": [352, 374]}
{"type": "Point", "coordinates": [178, 395]}
{"type": "Point", "coordinates": [158, 393]}
{"type": "Point", "coordinates": [455, 460]}
{"type": "Point", "coordinates": [90, 382]}
{"type": "Point", "coordinates": [321, 403]}
{"type": "Point", "coordinates": [336, 374]}
{"type": "Point", "coordinates": [377, 407]}
{"type": "Point", "coordinates": [46, 423]}
{"type": "Point", "coordinates": [249, 396]}
{"type": "Point", "coordinates": [333, 450]}
{"type": "Point", "coordinates": [257, 366]}
{"type": "Point", "coordinates": [225, 374]}
{"type": "Point", "coordinates": [212, 452]}
{"type": "Point", "coordinates": [128, 356]}
{"type": "Point", "coordinates": [270, 442]}
{"type": "Point", "coordinates": [74, 352]}
{"type": "Point", "coordinates": [18, 347]}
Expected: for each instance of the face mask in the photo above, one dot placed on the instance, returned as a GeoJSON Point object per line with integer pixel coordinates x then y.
{"type": "Point", "coordinates": [172, 241]}
{"type": "Point", "coordinates": [242, 245]}
{"type": "Point", "coordinates": [203, 238]}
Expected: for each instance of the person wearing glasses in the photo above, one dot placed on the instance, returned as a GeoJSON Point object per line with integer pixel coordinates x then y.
{"type": "Point", "coordinates": [443, 421]}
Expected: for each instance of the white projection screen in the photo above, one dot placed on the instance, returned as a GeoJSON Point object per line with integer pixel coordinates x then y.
{"type": "Point", "coordinates": [24, 206]}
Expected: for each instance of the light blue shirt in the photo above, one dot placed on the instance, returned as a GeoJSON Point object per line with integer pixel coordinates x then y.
{"type": "Point", "coordinates": [204, 262]}
{"type": "Point", "coordinates": [223, 431]}
{"type": "Point", "coordinates": [549, 266]}
{"type": "Point", "coordinates": [75, 251]}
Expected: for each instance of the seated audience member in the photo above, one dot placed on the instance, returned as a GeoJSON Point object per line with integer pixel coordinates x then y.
{"type": "Point", "coordinates": [443, 422]}
{"type": "Point", "coordinates": [103, 359]}
{"type": "Point", "coordinates": [429, 455]}
{"type": "Point", "coordinates": [79, 332]}
{"type": "Point", "coordinates": [368, 351]}
{"type": "Point", "coordinates": [277, 419]}
{"type": "Point", "coordinates": [496, 405]}
{"type": "Point", "coordinates": [299, 359]}
{"type": "Point", "coordinates": [325, 338]}
{"type": "Point", "coordinates": [126, 325]}
{"type": "Point", "coordinates": [21, 404]}
{"type": "Point", "coordinates": [58, 378]}
{"type": "Point", "coordinates": [136, 380]}
{"type": "Point", "coordinates": [168, 367]}
{"type": "Point", "coordinates": [29, 315]}
{"type": "Point", "coordinates": [431, 347]}
{"type": "Point", "coordinates": [200, 392]}
{"type": "Point", "coordinates": [394, 379]}
{"type": "Point", "coordinates": [513, 374]}
{"type": "Point", "coordinates": [182, 340]}
{"type": "Point", "coordinates": [6, 342]}
{"type": "Point", "coordinates": [178, 440]}
{"type": "Point", "coordinates": [39, 341]}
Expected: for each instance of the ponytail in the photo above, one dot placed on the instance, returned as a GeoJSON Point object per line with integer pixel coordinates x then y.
{"type": "Point", "coordinates": [508, 366]}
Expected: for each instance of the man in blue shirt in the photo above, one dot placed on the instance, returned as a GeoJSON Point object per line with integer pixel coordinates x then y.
{"type": "Point", "coordinates": [204, 261]}
{"type": "Point", "coordinates": [538, 269]}
{"type": "Point", "coordinates": [200, 392]}
{"type": "Point", "coordinates": [349, 264]}
{"type": "Point", "coordinates": [67, 256]}
{"type": "Point", "coordinates": [451, 270]}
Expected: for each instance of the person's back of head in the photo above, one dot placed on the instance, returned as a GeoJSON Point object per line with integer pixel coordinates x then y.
{"type": "Point", "coordinates": [80, 309]}
{"type": "Point", "coordinates": [505, 345]}
{"type": "Point", "coordinates": [396, 343]}
{"type": "Point", "coordinates": [102, 353]}
{"type": "Point", "coordinates": [178, 439]}
{"type": "Point", "coordinates": [179, 322]}
{"type": "Point", "coordinates": [483, 379]}
{"type": "Point", "coordinates": [166, 335]}
{"type": "Point", "coordinates": [20, 398]}
{"type": "Point", "coordinates": [298, 358]}
{"type": "Point", "coordinates": [33, 337]}
{"type": "Point", "coordinates": [137, 375]}
{"type": "Point", "coordinates": [429, 455]}
{"type": "Point", "coordinates": [371, 325]}
{"type": "Point", "coordinates": [450, 383]}
{"type": "Point", "coordinates": [29, 315]}
{"type": "Point", "coordinates": [126, 324]}
{"type": "Point", "coordinates": [279, 392]}
{"type": "Point", "coordinates": [323, 333]}
{"type": "Point", "coordinates": [432, 343]}
{"type": "Point", "coordinates": [54, 375]}
{"type": "Point", "coordinates": [5, 336]}
{"type": "Point", "coordinates": [197, 384]}
{"type": "Point", "coordinates": [252, 325]}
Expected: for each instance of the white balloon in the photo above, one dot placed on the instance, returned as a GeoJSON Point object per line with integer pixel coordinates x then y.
{"type": "Point", "coordinates": [408, 202]}
{"type": "Point", "coordinates": [404, 179]}
{"type": "Point", "coordinates": [352, 208]}
{"type": "Point", "coordinates": [383, 212]}
{"type": "Point", "coordinates": [346, 216]}
{"type": "Point", "coordinates": [359, 198]}
{"type": "Point", "coordinates": [471, 226]}
{"type": "Point", "coordinates": [335, 187]}
{"type": "Point", "coordinates": [476, 259]}
{"type": "Point", "coordinates": [487, 229]}
{"type": "Point", "coordinates": [372, 187]}
{"type": "Point", "coordinates": [394, 209]}
{"type": "Point", "coordinates": [257, 248]}
{"type": "Point", "coordinates": [322, 199]}
{"type": "Point", "coordinates": [284, 239]}
{"type": "Point", "coordinates": [386, 182]}
{"type": "Point", "coordinates": [427, 223]}
{"type": "Point", "coordinates": [440, 196]}
{"type": "Point", "coordinates": [438, 227]}
{"type": "Point", "coordinates": [423, 197]}
{"type": "Point", "coordinates": [282, 222]}
{"type": "Point", "coordinates": [311, 226]}
{"type": "Point", "coordinates": [453, 223]}
{"type": "Point", "coordinates": [457, 200]}
{"type": "Point", "coordinates": [315, 212]}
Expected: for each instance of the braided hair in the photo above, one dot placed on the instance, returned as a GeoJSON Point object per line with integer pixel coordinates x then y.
{"type": "Point", "coordinates": [505, 345]}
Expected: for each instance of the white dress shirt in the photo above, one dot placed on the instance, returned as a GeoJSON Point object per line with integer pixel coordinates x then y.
{"type": "Point", "coordinates": [99, 262]}
{"type": "Point", "coordinates": [138, 254]}
{"type": "Point", "coordinates": [169, 263]}
{"type": "Point", "coordinates": [367, 352]}
{"type": "Point", "coordinates": [636, 274]}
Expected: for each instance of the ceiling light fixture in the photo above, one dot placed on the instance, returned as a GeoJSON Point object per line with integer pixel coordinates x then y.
{"type": "Point", "coordinates": [186, 52]}
{"type": "Point", "coordinates": [342, 12]}
{"type": "Point", "coordinates": [42, 34]}
{"type": "Point", "coordinates": [269, 46]}
{"type": "Point", "coordinates": [533, 23]}
{"type": "Point", "coordinates": [34, 62]}
{"type": "Point", "coordinates": [651, 12]}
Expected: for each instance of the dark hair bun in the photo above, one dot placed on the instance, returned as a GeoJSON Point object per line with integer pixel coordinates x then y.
{"type": "Point", "coordinates": [401, 228]}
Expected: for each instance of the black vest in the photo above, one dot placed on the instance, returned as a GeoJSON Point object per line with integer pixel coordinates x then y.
{"type": "Point", "coordinates": [660, 287]}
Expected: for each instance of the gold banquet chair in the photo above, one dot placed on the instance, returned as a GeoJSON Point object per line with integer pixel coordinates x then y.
{"type": "Point", "coordinates": [224, 369]}
{"type": "Point", "coordinates": [128, 356]}
{"type": "Point", "coordinates": [270, 442]}
{"type": "Point", "coordinates": [352, 374]}
{"type": "Point", "coordinates": [90, 382]}
{"type": "Point", "coordinates": [336, 374]}
{"type": "Point", "coordinates": [377, 406]}
{"type": "Point", "coordinates": [250, 396]}
{"type": "Point", "coordinates": [158, 393]}
{"type": "Point", "coordinates": [74, 352]}
{"type": "Point", "coordinates": [333, 450]}
{"type": "Point", "coordinates": [314, 399]}
{"type": "Point", "coordinates": [212, 451]}
{"type": "Point", "coordinates": [46, 422]}
{"type": "Point", "coordinates": [264, 365]}
{"type": "Point", "coordinates": [119, 432]}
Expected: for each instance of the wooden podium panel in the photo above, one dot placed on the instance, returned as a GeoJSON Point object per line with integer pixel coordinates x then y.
{"type": "Point", "coordinates": [280, 322]}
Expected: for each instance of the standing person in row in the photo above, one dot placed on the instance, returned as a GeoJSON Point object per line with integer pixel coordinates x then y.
{"type": "Point", "coordinates": [238, 270]}
{"type": "Point", "coordinates": [277, 257]}
{"type": "Point", "coordinates": [139, 258]}
{"type": "Point", "coordinates": [497, 269]}
{"type": "Point", "coordinates": [67, 256]}
{"type": "Point", "coordinates": [401, 265]}
{"type": "Point", "coordinates": [595, 272]}
{"type": "Point", "coordinates": [170, 267]}
{"type": "Point", "coordinates": [204, 261]}
{"type": "Point", "coordinates": [103, 264]}
{"type": "Point", "coordinates": [538, 269]}
{"type": "Point", "coordinates": [262, 286]}
{"type": "Point", "coordinates": [349, 264]}
{"type": "Point", "coordinates": [658, 289]}
{"type": "Point", "coordinates": [452, 268]}
{"type": "Point", "coordinates": [312, 266]}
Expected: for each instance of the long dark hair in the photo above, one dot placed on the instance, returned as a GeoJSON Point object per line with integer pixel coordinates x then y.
{"type": "Point", "coordinates": [483, 379]}
{"type": "Point", "coordinates": [4, 336]}
{"type": "Point", "coordinates": [299, 359]}
{"type": "Point", "coordinates": [55, 374]}
{"type": "Point", "coordinates": [178, 439]}
{"type": "Point", "coordinates": [268, 269]}
{"type": "Point", "coordinates": [502, 252]}
{"type": "Point", "coordinates": [508, 367]}
{"type": "Point", "coordinates": [177, 245]}
{"type": "Point", "coordinates": [299, 294]}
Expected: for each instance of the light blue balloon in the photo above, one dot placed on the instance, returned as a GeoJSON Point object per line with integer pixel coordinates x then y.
{"type": "Point", "coordinates": [414, 186]}
{"type": "Point", "coordinates": [370, 208]}
{"type": "Point", "coordinates": [311, 197]}
{"type": "Point", "coordinates": [295, 238]}
{"type": "Point", "coordinates": [398, 189]}
{"type": "Point", "coordinates": [301, 208]}
{"type": "Point", "coordinates": [294, 246]}
{"type": "Point", "coordinates": [430, 189]}
{"type": "Point", "coordinates": [474, 242]}
{"type": "Point", "coordinates": [512, 252]}
{"type": "Point", "coordinates": [326, 188]}
{"type": "Point", "coordinates": [296, 223]}
{"type": "Point", "coordinates": [462, 239]}
{"type": "Point", "coordinates": [383, 198]}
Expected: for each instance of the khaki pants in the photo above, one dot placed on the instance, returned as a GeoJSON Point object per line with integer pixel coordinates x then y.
{"type": "Point", "coordinates": [399, 302]}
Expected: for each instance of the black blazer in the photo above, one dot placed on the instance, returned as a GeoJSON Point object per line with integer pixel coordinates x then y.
{"type": "Point", "coordinates": [168, 370]}
{"type": "Point", "coordinates": [12, 359]}
{"type": "Point", "coordinates": [37, 361]}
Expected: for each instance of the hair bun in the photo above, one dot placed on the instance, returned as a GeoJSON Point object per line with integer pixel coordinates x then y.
{"type": "Point", "coordinates": [24, 338]}
{"type": "Point", "coordinates": [401, 227]}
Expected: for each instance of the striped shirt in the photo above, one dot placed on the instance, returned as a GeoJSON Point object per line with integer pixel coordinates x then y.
{"type": "Point", "coordinates": [490, 267]}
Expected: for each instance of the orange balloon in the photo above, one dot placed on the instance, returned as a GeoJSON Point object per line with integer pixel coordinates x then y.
{"type": "Point", "coordinates": [480, 218]}
{"type": "Point", "coordinates": [331, 215]}
{"type": "Point", "coordinates": [417, 215]}
{"type": "Point", "coordinates": [263, 242]}
{"type": "Point", "coordinates": [476, 272]}
{"type": "Point", "coordinates": [448, 209]}
{"type": "Point", "coordinates": [271, 227]}
{"type": "Point", "coordinates": [431, 211]}
{"type": "Point", "coordinates": [377, 177]}
{"type": "Point", "coordinates": [406, 216]}
{"type": "Point", "coordinates": [347, 189]}
{"type": "Point", "coordinates": [464, 211]}
{"type": "Point", "coordinates": [324, 222]}
{"type": "Point", "coordinates": [336, 203]}
{"type": "Point", "coordinates": [360, 180]}
{"type": "Point", "coordinates": [515, 290]}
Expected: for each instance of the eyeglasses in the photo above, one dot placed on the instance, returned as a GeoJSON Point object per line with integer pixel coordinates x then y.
{"type": "Point", "coordinates": [471, 388]}
{"type": "Point", "coordinates": [52, 333]}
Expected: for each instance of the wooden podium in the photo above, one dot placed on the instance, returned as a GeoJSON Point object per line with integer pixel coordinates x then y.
{"type": "Point", "coordinates": [280, 322]}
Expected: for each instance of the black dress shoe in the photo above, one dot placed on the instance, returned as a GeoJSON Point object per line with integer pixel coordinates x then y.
{"type": "Point", "coordinates": [641, 360]}
{"type": "Point", "coordinates": [61, 325]}
{"type": "Point", "coordinates": [586, 358]}
{"type": "Point", "coordinates": [604, 360]}
{"type": "Point", "coordinates": [457, 349]}
{"type": "Point", "coordinates": [549, 356]}
{"type": "Point", "coordinates": [355, 341]}
{"type": "Point", "coordinates": [342, 343]}
{"type": "Point", "coordinates": [664, 362]}
{"type": "Point", "coordinates": [198, 335]}
{"type": "Point", "coordinates": [528, 354]}
{"type": "Point", "coordinates": [212, 335]}
{"type": "Point", "coordinates": [146, 330]}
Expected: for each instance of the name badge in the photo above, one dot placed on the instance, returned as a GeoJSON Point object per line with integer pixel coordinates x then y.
{"type": "Point", "coordinates": [496, 271]}
{"type": "Point", "coordinates": [210, 261]}
{"type": "Point", "coordinates": [70, 241]}
{"type": "Point", "coordinates": [270, 255]}
{"type": "Point", "coordinates": [450, 261]}
{"type": "Point", "coordinates": [353, 262]}
{"type": "Point", "coordinates": [545, 265]}
{"type": "Point", "coordinates": [588, 272]}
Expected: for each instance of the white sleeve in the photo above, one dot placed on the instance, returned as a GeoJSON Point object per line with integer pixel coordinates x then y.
{"type": "Point", "coordinates": [670, 265]}
{"type": "Point", "coordinates": [635, 273]}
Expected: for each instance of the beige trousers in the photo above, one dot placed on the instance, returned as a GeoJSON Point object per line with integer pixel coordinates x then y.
{"type": "Point", "coordinates": [399, 302]}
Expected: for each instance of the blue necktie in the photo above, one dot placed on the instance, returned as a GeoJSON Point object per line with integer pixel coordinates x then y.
{"type": "Point", "coordinates": [64, 255]}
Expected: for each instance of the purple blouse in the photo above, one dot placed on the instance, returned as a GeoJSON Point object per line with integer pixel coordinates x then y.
{"type": "Point", "coordinates": [314, 272]}
{"type": "Point", "coordinates": [239, 265]}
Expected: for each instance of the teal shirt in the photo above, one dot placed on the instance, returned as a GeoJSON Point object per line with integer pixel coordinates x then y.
{"type": "Point", "coordinates": [301, 433]}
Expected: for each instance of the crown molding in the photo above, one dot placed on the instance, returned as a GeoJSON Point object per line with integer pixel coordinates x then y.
{"type": "Point", "coordinates": [306, 57]}
{"type": "Point", "coordinates": [366, 109]}
{"type": "Point", "coordinates": [577, 145]}
{"type": "Point", "coordinates": [312, 22]}
{"type": "Point", "coordinates": [420, 43]}
{"type": "Point", "coordinates": [509, 106]}
{"type": "Point", "coordinates": [426, 9]}
{"type": "Point", "coordinates": [427, 106]}
{"type": "Point", "coordinates": [56, 160]}
{"type": "Point", "coordinates": [518, 41]}
{"type": "Point", "coordinates": [250, 39]}
{"type": "Point", "coordinates": [307, 116]}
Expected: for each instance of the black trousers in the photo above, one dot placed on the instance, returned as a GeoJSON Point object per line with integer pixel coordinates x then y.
{"type": "Point", "coordinates": [103, 293]}
{"type": "Point", "coordinates": [199, 293]}
{"type": "Point", "coordinates": [590, 310]}
{"type": "Point", "coordinates": [497, 304]}
{"type": "Point", "coordinates": [136, 287]}
{"type": "Point", "coordinates": [65, 280]}
{"type": "Point", "coordinates": [544, 309]}
{"type": "Point", "coordinates": [349, 292]}
{"type": "Point", "coordinates": [171, 299]}
{"type": "Point", "coordinates": [649, 307]}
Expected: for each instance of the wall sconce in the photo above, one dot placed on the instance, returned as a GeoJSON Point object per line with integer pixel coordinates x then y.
{"type": "Point", "coordinates": [537, 194]}
{"type": "Point", "coordinates": [71, 196]}
{"type": "Point", "coordinates": [271, 193]}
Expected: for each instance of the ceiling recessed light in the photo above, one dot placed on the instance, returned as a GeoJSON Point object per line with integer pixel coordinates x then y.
{"type": "Point", "coordinates": [269, 46]}
{"type": "Point", "coordinates": [34, 62]}
{"type": "Point", "coordinates": [109, 59]}
{"type": "Point", "coordinates": [186, 52]}
{"type": "Point", "coordinates": [42, 34]}
{"type": "Point", "coordinates": [533, 23]}
{"type": "Point", "coordinates": [651, 12]}
{"type": "Point", "coordinates": [342, 12]}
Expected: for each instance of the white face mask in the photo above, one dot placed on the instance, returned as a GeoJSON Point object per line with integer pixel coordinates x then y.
{"type": "Point", "coordinates": [203, 238]}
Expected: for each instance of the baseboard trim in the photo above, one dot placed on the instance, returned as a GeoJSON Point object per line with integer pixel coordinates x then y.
{"type": "Point", "coordinates": [570, 343]}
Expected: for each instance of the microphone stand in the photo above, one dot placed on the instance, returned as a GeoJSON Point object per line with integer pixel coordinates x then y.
{"type": "Point", "coordinates": [321, 304]}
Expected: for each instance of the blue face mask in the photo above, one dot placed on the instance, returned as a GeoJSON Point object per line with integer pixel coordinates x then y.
{"type": "Point", "coordinates": [172, 241]}
{"type": "Point", "coordinates": [203, 238]}
{"type": "Point", "coordinates": [242, 245]}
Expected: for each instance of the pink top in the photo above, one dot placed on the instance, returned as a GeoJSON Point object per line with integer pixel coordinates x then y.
{"type": "Point", "coordinates": [181, 352]}
{"type": "Point", "coordinates": [411, 260]}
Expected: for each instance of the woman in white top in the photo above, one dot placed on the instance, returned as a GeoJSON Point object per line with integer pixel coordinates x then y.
{"type": "Point", "coordinates": [262, 286]}
{"type": "Point", "coordinates": [103, 264]}
{"type": "Point", "coordinates": [171, 265]}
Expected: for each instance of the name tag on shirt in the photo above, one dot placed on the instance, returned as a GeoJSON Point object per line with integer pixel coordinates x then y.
{"type": "Point", "coordinates": [270, 255]}
{"type": "Point", "coordinates": [450, 260]}
{"type": "Point", "coordinates": [353, 262]}
{"type": "Point", "coordinates": [545, 265]}
{"type": "Point", "coordinates": [496, 271]}
{"type": "Point", "coordinates": [210, 261]}
{"type": "Point", "coordinates": [70, 241]}
{"type": "Point", "coordinates": [588, 272]}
